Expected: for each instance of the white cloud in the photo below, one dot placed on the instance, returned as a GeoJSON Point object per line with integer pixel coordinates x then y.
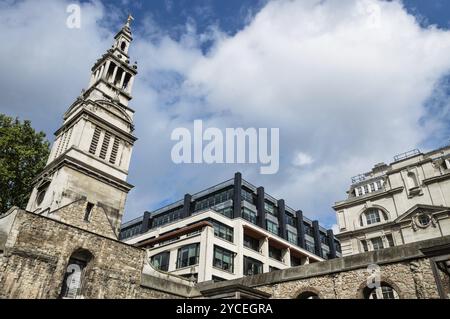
{"type": "Point", "coordinates": [345, 81]}
{"type": "Point", "coordinates": [302, 159]}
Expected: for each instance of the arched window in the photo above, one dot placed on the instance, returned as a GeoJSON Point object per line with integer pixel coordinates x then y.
{"type": "Point", "coordinates": [412, 180]}
{"type": "Point", "coordinates": [123, 46]}
{"type": "Point", "coordinates": [73, 284]}
{"type": "Point", "coordinates": [308, 295]}
{"type": "Point", "coordinates": [41, 192]}
{"type": "Point", "coordinates": [384, 291]}
{"type": "Point", "coordinates": [372, 216]}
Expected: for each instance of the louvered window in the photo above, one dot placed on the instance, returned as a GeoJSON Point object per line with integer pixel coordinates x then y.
{"type": "Point", "coordinates": [115, 150]}
{"type": "Point", "coordinates": [95, 140]}
{"type": "Point", "coordinates": [105, 145]}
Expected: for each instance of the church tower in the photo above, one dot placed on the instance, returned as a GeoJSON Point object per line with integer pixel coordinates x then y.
{"type": "Point", "coordinates": [84, 183]}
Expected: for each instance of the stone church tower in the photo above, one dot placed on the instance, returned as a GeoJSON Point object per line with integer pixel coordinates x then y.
{"type": "Point", "coordinates": [84, 183]}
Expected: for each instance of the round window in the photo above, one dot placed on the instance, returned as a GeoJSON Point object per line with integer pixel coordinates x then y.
{"type": "Point", "coordinates": [423, 219]}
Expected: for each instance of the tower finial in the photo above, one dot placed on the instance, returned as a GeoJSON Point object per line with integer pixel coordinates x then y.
{"type": "Point", "coordinates": [129, 19]}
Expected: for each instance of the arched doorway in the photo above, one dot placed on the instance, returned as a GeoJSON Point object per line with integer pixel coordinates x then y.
{"type": "Point", "coordinates": [72, 286]}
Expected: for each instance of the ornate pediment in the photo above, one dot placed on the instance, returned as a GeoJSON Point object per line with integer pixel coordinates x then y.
{"type": "Point", "coordinates": [115, 109]}
{"type": "Point", "coordinates": [422, 216]}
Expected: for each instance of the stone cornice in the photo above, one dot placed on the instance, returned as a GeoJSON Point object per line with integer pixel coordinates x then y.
{"type": "Point", "coordinates": [436, 179]}
{"type": "Point", "coordinates": [65, 160]}
{"type": "Point", "coordinates": [117, 131]}
{"type": "Point", "coordinates": [362, 199]}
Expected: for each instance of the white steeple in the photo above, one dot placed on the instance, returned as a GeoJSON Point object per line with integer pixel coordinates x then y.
{"type": "Point", "coordinates": [91, 154]}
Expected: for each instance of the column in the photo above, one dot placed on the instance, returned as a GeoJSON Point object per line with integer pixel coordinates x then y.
{"type": "Point", "coordinates": [113, 78]}
{"type": "Point", "coordinates": [330, 236]}
{"type": "Point", "coordinates": [265, 253]}
{"type": "Point", "coordinates": [122, 79]}
{"type": "Point", "coordinates": [146, 222]}
{"type": "Point", "coordinates": [206, 255]}
{"type": "Point", "coordinates": [101, 72]}
{"type": "Point", "coordinates": [301, 229]}
{"type": "Point", "coordinates": [237, 196]}
{"type": "Point", "coordinates": [239, 258]}
{"type": "Point", "coordinates": [187, 206]}
{"type": "Point", "coordinates": [260, 207]}
{"type": "Point", "coordinates": [317, 242]}
{"type": "Point", "coordinates": [105, 69]}
{"type": "Point", "coordinates": [173, 260]}
{"type": "Point", "coordinates": [287, 256]}
{"type": "Point", "coordinates": [282, 218]}
{"type": "Point", "coordinates": [130, 85]}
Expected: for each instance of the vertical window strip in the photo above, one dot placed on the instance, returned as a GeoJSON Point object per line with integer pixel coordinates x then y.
{"type": "Point", "coordinates": [60, 143]}
{"type": "Point", "coordinates": [68, 137]}
{"type": "Point", "coordinates": [105, 145]}
{"type": "Point", "coordinates": [95, 139]}
{"type": "Point", "coordinates": [115, 150]}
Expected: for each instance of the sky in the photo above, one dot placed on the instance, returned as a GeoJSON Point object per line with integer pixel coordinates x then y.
{"type": "Point", "coordinates": [349, 83]}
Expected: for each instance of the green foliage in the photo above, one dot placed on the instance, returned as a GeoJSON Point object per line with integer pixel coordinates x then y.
{"type": "Point", "coordinates": [23, 155]}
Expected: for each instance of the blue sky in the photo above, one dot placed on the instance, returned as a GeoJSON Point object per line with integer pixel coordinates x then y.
{"type": "Point", "coordinates": [350, 83]}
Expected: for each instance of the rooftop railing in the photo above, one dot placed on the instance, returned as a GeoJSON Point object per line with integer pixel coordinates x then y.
{"type": "Point", "coordinates": [406, 155]}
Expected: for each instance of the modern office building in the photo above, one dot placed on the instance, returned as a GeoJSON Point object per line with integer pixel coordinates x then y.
{"type": "Point", "coordinates": [400, 203]}
{"type": "Point", "coordinates": [228, 231]}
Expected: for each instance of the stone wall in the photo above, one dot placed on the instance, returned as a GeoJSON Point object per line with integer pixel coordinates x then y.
{"type": "Point", "coordinates": [407, 269]}
{"type": "Point", "coordinates": [37, 252]}
{"type": "Point", "coordinates": [74, 214]}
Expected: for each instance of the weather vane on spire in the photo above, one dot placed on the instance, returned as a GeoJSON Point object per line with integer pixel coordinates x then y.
{"type": "Point", "coordinates": [130, 18]}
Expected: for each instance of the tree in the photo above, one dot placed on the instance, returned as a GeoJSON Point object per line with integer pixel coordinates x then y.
{"type": "Point", "coordinates": [23, 155]}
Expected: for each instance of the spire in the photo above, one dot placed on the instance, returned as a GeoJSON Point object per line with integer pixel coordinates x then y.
{"type": "Point", "coordinates": [130, 18]}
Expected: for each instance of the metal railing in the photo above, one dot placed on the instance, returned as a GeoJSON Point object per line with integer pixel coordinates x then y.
{"type": "Point", "coordinates": [406, 155]}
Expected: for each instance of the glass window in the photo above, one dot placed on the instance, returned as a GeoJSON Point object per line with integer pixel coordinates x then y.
{"type": "Point", "coordinates": [292, 237]}
{"type": "Point", "coordinates": [223, 259]}
{"type": "Point", "coordinates": [249, 215]}
{"type": "Point", "coordinates": [366, 189]}
{"type": "Point", "coordinates": [291, 220]}
{"type": "Point", "coordinates": [372, 187]}
{"type": "Point", "coordinates": [309, 230]}
{"type": "Point", "coordinates": [270, 208]}
{"type": "Point", "coordinates": [251, 243]}
{"type": "Point", "coordinates": [310, 246]}
{"type": "Point", "coordinates": [227, 212]}
{"type": "Point", "coordinates": [167, 218]}
{"type": "Point", "coordinates": [424, 219]}
{"type": "Point", "coordinates": [377, 243]}
{"type": "Point", "coordinates": [372, 216]}
{"type": "Point", "coordinates": [323, 239]}
{"type": "Point", "coordinates": [275, 253]}
{"type": "Point", "coordinates": [252, 266]}
{"type": "Point", "coordinates": [390, 240]}
{"type": "Point", "coordinates": [379, 185]}
{"type": "Point", "coordinates": [161, 261]}
{"type": "Point", "coordinates": [248, 196]}
{"type": "Point", "coordinates": [188, 255]}
{"type": "Point", "coordinates": [271, 268]}
{"type": "Point", "coordinates": [222, 231]}
{"type": "Point", "coordinates": [213, 200]}
{"type": "Point", "coordinates": [272, 227]}
{"type": "Point", "coordinates": [383, 292]}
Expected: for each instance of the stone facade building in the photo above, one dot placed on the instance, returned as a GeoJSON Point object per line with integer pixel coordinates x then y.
{"type": "Point", "coordinates": [396, 204]}
{"type": "Point", "coordinates": [65, 245]}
